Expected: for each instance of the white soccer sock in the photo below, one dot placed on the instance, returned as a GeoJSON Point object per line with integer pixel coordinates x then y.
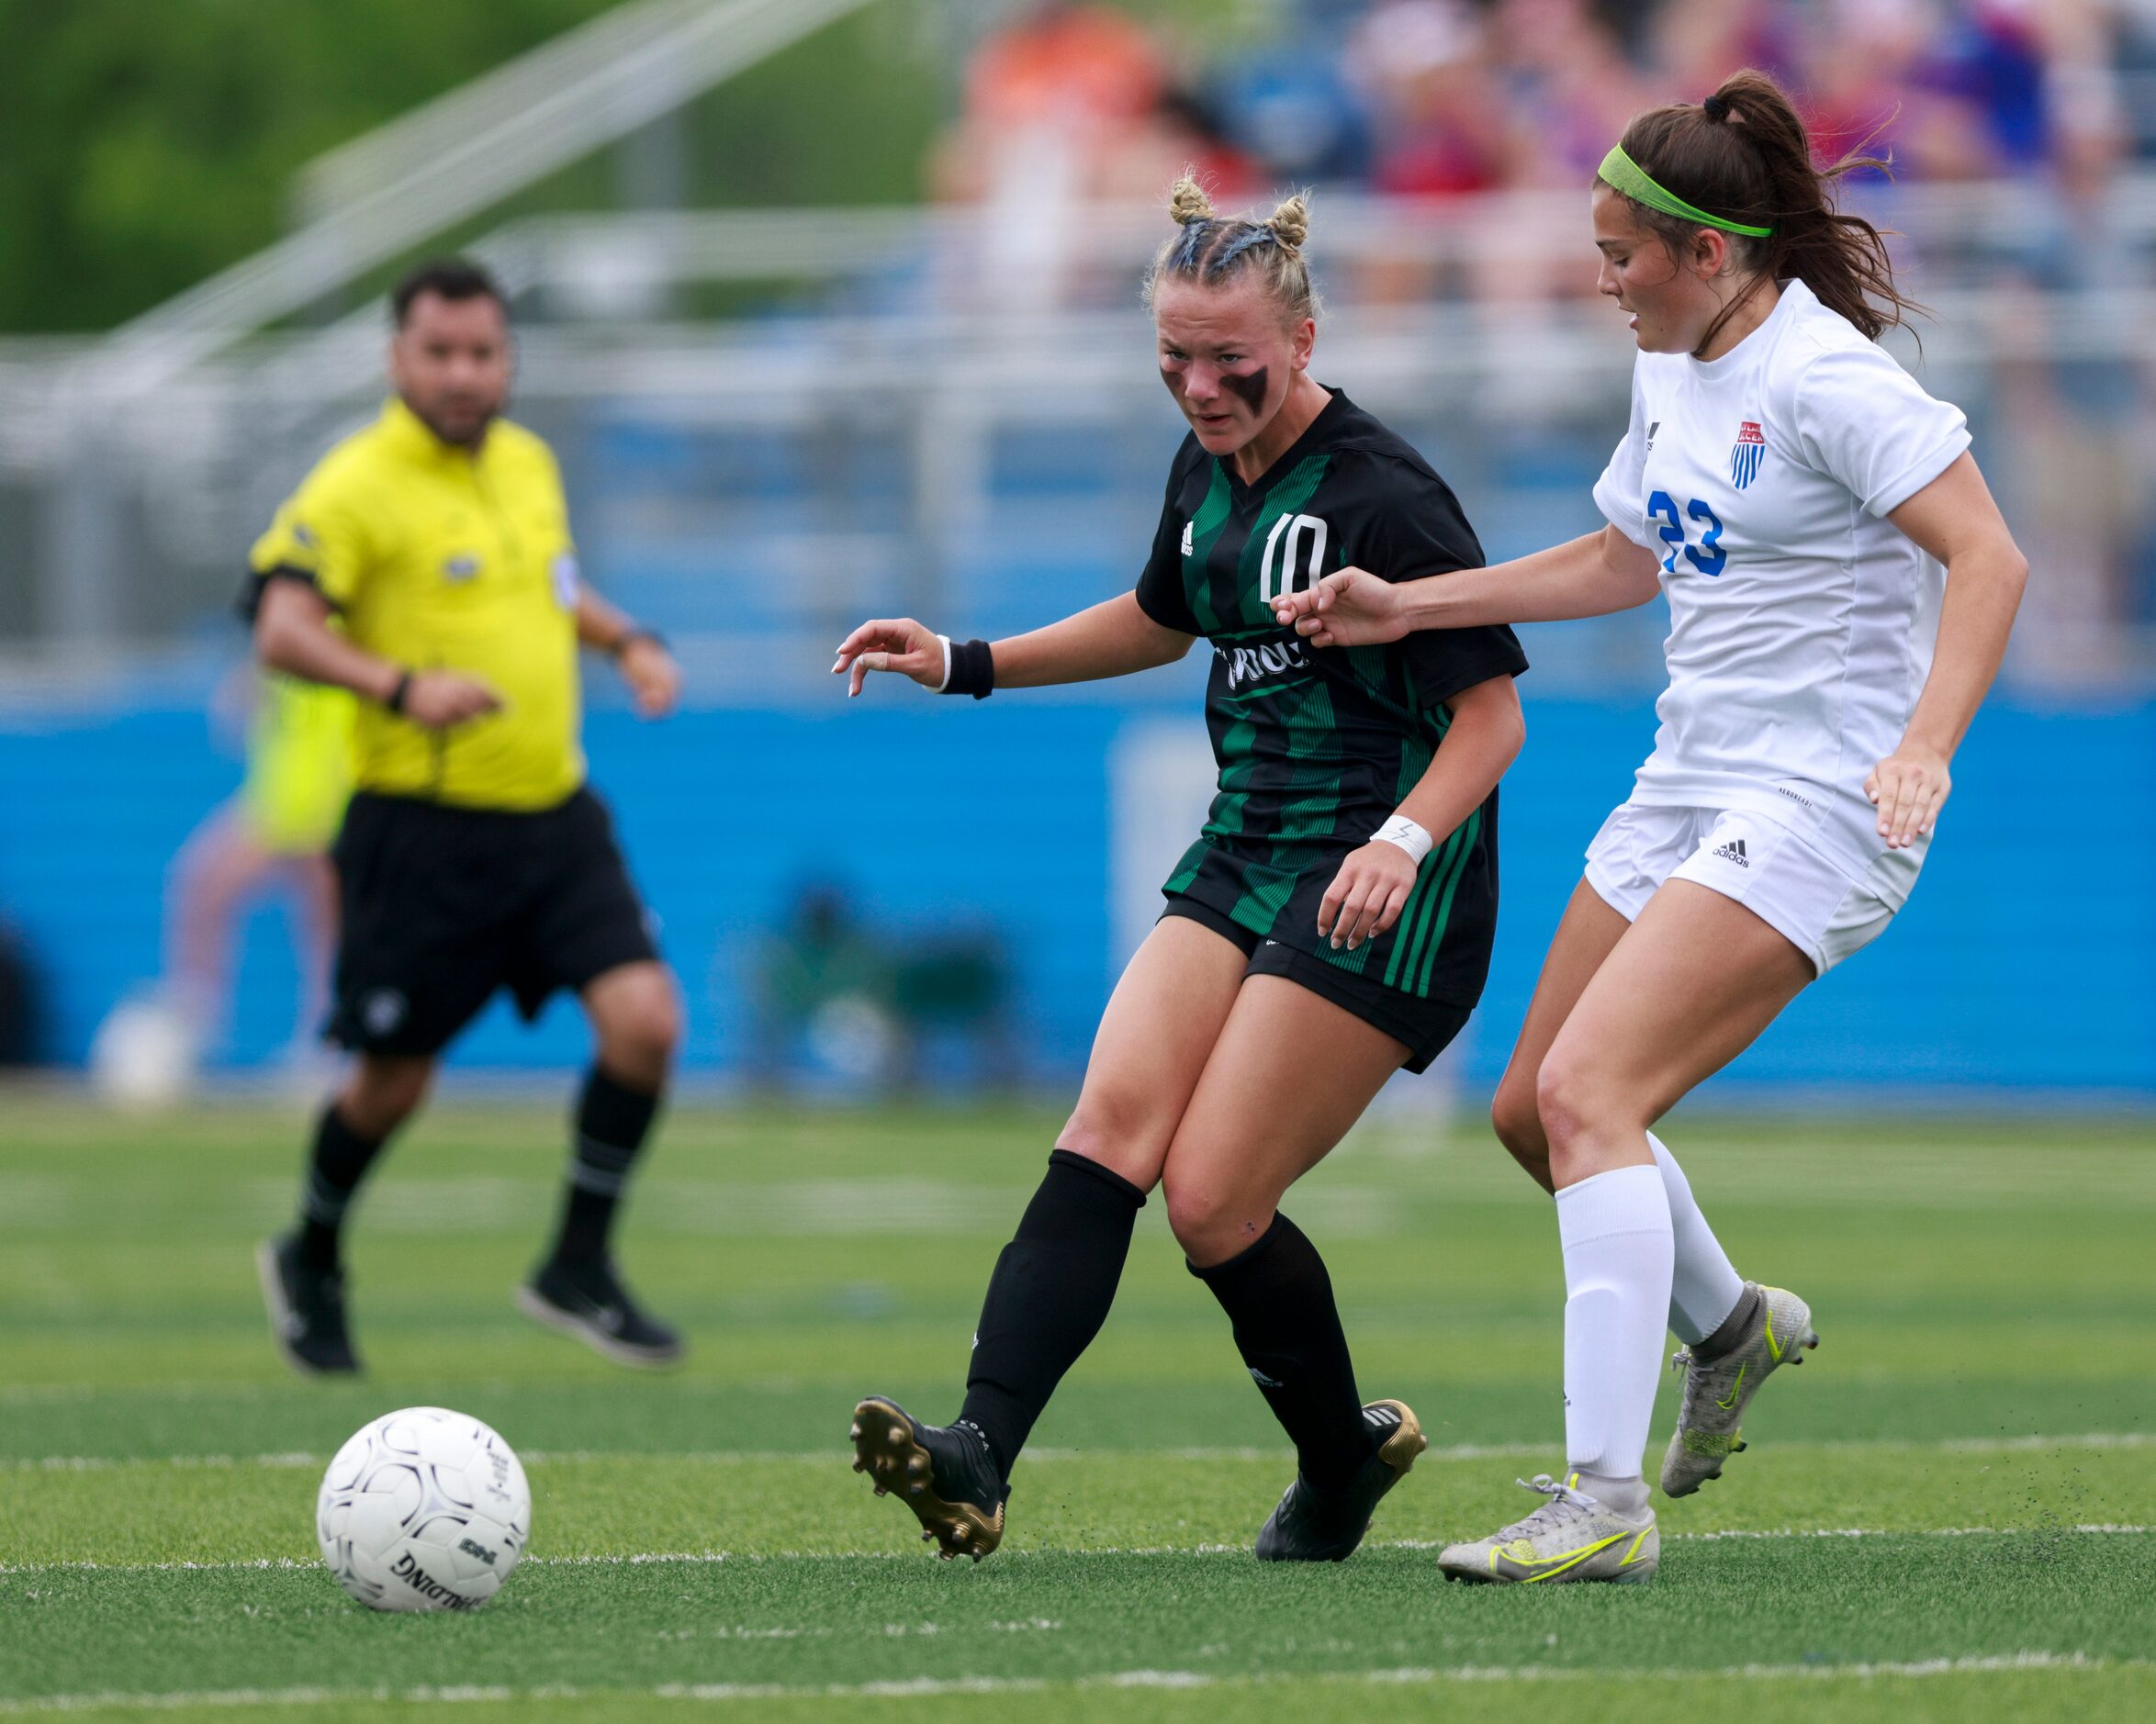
{"type": "Point", "coordinates": [1615, 1230]}
{"type": "Point", "coordinates": [1705, 1287]}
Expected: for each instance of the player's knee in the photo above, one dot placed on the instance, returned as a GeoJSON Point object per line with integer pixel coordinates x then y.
{"type": "Point", "coordinates": [640, 1033]}
{"type": "Point", "coordinates": [1517, 1120]}
{"type": "Point", "coordinates": [1212, 1223]}
{"type": "Point", "coordinates": [1566, 1094]}
{"type": "Point", "coordinates": [382, 1094]}
{"type": "Point", "coordinates": [1518, 1123]}
{"type": "Point", "coordinates": [1120, 1132]}
{"type": "Point", "coordinates": [1584, 1108]}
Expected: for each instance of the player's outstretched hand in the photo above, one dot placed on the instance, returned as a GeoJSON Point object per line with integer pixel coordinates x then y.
{"type": "Point", "coordinates": [1367, 895]}
{"type": "Point", "coordinates": [436, 700]}
{"type": "Point", "coordinates": [1351, 608]}
{"type": "Point", "coordinates": [654, 679]}
{"type": "Point", "coordinates": [899, 644]}
{"type": "Point", "coordinates": [1908, 787]}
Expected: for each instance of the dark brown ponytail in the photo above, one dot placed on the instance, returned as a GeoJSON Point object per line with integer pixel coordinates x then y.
{"type": "Point", "coordinates": [1744, 153]}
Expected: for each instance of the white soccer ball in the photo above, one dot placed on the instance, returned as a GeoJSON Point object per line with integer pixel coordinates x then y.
{"type": "Point", "coordinates": [424, 1509]}
{"type": "Point", "coordinates": [142, 1060]}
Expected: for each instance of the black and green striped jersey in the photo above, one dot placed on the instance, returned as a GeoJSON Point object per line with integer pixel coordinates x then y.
{"type": "Point", "coordinates": [1317, 746]}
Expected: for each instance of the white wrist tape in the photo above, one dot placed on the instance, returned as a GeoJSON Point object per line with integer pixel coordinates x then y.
{"type": "Point", "coordinates": [1409, 836]}
{"type": "Point", "coordinates": [944, 641]}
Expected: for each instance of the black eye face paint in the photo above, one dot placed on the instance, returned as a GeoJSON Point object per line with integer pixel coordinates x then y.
{"type": "Point", "coordinates": [1251, 390]}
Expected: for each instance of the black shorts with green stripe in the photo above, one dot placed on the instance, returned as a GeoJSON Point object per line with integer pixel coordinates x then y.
{"type": "Point", "coordinates": [1423, 1025]}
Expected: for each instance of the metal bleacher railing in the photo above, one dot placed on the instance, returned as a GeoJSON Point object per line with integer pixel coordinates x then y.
{"type": "Point", "coordinates": [916, 414]}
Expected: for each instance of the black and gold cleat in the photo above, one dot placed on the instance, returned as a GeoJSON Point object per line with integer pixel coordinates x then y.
{"type": "Point", "coordinates": [1310, 1528]}
{"type": "Point", "coordinates": [943, 1473]}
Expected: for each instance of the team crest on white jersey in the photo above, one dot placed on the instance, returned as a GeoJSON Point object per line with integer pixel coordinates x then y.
{"type": "Point", "coordinates": [1745, 459]}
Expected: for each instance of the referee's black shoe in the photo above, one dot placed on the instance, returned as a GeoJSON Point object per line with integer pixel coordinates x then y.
{"type": "Point", "coordinates": [588, 1299]}
{"type": "Point", "coordinates": [1310, 1528]}
{"type": "Point", "coordinates": [306, 1309]}
{"type": "Point", "coordinates": [943, 1473]}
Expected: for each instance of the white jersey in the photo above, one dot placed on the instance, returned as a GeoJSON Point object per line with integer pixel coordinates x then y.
{"type": "Point", "coordinates": [1801, 621]}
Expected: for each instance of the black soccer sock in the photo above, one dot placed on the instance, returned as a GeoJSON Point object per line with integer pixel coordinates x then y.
{"type": "Point", "coordinates": [1279, 1298]}
{"type": "Point", "coordinates": [1050, 1295]}
{"type": "Point", "coordinates": [613, 1120]}
{"type": "Point", "coordinates": [338, 1162]}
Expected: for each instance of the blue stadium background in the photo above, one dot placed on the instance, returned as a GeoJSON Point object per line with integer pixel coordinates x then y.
{"type": "Point", "coordinates": [2021, 964]}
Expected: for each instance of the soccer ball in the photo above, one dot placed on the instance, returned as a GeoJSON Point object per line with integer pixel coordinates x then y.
{"type": "Point", "coordinates": [423, 1509]}
{"type": "Point", "coordinates": [143, 1058]}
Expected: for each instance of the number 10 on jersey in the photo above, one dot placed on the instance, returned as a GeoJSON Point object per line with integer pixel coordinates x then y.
{"type": "Point", "coordinates": [1707, 557]}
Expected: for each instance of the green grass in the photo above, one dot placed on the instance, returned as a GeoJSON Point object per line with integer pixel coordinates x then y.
{"type": "Point", "coordinates": [1940, 1515]}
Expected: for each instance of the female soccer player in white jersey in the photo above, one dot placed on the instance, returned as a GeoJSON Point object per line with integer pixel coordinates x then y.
{"type": "Point", "coordinates": [1314, 913]}
{"type": "Point", "coordinates": [1841, 588]}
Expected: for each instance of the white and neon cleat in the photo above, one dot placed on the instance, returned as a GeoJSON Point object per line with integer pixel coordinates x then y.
{"type": "Point", "coordinates": [1717, 1391]}
{"type": "Point", "coordinates": [1570, 1538]}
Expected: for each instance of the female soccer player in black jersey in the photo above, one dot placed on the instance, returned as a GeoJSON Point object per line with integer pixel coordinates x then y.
{"type": "Point", "coordinates": [1340, 901]}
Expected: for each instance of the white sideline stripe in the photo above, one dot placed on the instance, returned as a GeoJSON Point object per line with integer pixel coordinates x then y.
{"type": "Point", "coordinates": [701, 1558]}
{"type": "Point", "coordinates": [764, 1457]}
{"type": "Point", "coordinates": [931, 1688]}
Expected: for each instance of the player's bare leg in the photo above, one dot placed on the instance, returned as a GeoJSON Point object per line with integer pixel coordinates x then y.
{"type": "Point", "coordinates": [1255, 1125]}
{"type": "Point", "coordinates": [1055, 1280]}
{"type": "Point", "coordinates": [636, 1017]}
{"type": "Point", "coordinates": [302, 1272]}
{"type": "Point", "coordinates": [1684, 992]}
{"type": "Point", "coordinates": [1585, 936]}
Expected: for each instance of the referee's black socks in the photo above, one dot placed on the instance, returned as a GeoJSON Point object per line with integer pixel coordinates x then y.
{"type": "Point", "coordinates": [1279, 1298]}
{"type": "Point", "coordinates": [613, 1120]}
{"type": "Point", "coordinates": [1050, 1295]}
{"type": "Point", "coordinates": [335, 1166]}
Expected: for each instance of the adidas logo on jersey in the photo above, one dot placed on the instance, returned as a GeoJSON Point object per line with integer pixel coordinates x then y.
{"type": "Point", "coordinates": [1189, 537]}
{"type": "Point", "coordinates": [1734, 851]}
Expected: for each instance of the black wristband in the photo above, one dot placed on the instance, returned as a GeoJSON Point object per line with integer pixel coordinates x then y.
{"type": "Point", "coordinates": [635, 635]}
{"type": "Point", "coordinates": [397, 695]}
{"type": "Point", "coordinates": [972, 669]}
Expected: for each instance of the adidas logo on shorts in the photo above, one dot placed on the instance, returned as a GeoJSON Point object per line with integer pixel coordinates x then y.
{"type": "Point", "coordinates": [1734, 851]}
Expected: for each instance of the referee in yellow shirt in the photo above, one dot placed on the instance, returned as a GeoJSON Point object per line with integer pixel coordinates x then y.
{"type": "Point", "coordinates": [426, 565]}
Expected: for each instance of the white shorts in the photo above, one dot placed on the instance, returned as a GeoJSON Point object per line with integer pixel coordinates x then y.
{"type": "Point", "coordinates": [1782, 877]}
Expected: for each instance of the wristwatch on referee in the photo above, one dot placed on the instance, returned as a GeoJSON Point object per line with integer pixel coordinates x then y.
{"type": "Point", "coordinates": [630, 637]}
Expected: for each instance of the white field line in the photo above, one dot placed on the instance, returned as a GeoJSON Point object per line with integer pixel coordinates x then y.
{"type": "Point", "coordinates": [932, 1688]}
{"type": "Point", "coordinates": [772, 1457]}
{"type": "Point", "coordinates": [697, 1559]}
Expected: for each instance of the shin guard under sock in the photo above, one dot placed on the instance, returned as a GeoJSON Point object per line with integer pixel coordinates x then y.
{"type": "Point", "coordinates": [1050, 1295]}
{"type": "Point", "coordinates": [1279, 1298]}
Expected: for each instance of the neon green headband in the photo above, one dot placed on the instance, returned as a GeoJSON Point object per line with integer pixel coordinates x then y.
{"type": "Point", "coordinates": [1627, 176]}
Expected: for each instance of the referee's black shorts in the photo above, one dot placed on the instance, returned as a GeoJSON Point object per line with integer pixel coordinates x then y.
{"type": "Point", "coordinates": [442, 906]}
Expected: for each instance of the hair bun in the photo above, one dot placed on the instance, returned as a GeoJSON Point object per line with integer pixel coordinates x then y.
{"type": "Point", "coordinates": [1188, 203]}
{"type": "Point", "coordinates": [1290, 222]}
{"type": "Point", "coordinates": [1715, 108]}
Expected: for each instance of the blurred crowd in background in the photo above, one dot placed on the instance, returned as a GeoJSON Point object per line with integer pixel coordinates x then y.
{"type": "Point", "coordinates": [1435, 100]}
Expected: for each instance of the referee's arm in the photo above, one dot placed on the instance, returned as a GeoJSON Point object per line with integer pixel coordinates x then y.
{"type": "Point", "coordinates": [292, 634]}
{"type": "Point", "coordinates": [654, 679]}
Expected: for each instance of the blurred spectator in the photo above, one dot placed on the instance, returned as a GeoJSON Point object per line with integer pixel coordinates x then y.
{"type": "Point", "coordinates": [1568, 87]}
{"type": "Point", "coordinates": [1051, 99]}
{"type": "Point", "coordinates": [1437, 114]}
{"type": "Point", "coordinates": [833, 1004]}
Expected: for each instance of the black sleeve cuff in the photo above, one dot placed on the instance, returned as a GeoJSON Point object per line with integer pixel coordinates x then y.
{"type": "Point", "coordinates": [249, 603]}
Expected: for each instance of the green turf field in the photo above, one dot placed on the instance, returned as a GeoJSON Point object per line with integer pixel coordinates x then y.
{"type": "Point", "coordinates": [1947, 1513]}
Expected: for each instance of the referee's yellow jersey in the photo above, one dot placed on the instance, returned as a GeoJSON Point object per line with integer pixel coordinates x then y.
{"type": "Point", "coordinates": [443, 558]}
